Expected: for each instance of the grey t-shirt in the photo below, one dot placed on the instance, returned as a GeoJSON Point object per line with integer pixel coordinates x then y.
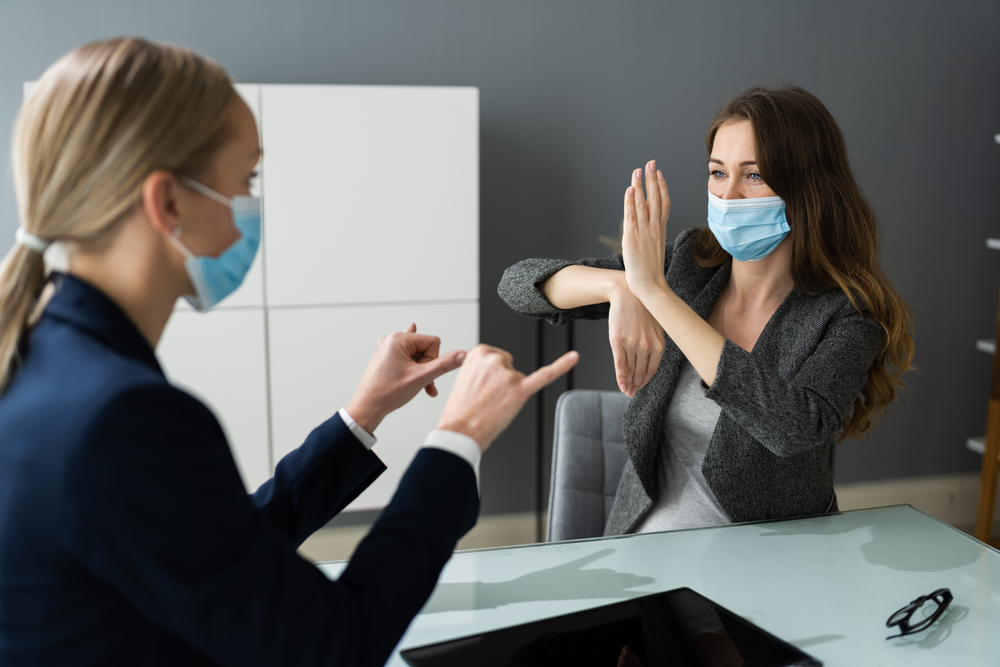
{"type": "Point", "coordinates": [685, 500]}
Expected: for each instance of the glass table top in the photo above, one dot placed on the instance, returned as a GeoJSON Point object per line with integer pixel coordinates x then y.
{"type": "Point", "coordinates": [826, 584]}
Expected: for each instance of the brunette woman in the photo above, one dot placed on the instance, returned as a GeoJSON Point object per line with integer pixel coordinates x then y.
{"type": "Point", "coordinates": [750, 346]}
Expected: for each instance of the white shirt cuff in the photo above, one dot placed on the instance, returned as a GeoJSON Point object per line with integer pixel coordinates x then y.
{"type": "Point", "coordinates": [366, 438]}
{"type": "Point", "coordinates": [458, 444]}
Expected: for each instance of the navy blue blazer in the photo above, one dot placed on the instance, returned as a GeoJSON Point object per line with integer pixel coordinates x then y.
{"type": "Point", "coordinates": [127, 538]}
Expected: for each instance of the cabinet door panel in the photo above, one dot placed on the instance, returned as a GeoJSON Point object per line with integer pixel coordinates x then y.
{"type": "Point", "coordinates": [219, 358]}
{"type": "Point", "coordinates": [372, 193]}
{"type": "Point", "coordinates": [318, 356]}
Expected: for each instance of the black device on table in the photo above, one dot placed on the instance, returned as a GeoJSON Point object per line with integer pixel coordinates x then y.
{"type": "Point", "coordinates": [679, 628]}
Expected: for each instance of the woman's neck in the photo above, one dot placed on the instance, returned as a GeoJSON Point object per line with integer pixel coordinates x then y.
{"type": "Point", "coordinates": [136, 271]}
{"type": "Point", "coordinates": [763, 284]}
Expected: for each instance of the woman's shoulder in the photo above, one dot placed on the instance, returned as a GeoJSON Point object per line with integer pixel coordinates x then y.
{"type": "Point", "coordinates": [831, 310]}
{"type": "Point", "coordinates": [832, 300]}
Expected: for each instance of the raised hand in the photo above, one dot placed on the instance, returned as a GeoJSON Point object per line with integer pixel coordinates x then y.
{"type": "Point", "coordinates": [489, 392]}
{"type": "Point", "coordinates": [404, 363]}
{"type": "Point", "coordinates": [644, 232]}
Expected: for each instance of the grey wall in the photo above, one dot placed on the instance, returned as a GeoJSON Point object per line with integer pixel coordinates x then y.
{"type": "Point", "coordinates": [576, 94]}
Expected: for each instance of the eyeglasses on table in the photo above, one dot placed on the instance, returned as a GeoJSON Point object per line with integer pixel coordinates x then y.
{"type": "Point", "coordinates": [939, 599]}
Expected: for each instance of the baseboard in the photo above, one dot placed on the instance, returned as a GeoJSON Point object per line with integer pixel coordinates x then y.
{"type": "Point", "coordinates": [953, 499]}
{"type": "Point", "coordinates": [492, 530]}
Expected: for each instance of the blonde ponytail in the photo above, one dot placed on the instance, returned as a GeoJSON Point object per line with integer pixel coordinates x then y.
{"type": "Point", "coordinates": [101, 119]}
{"type": "Point", "coordinates": [22, 275]}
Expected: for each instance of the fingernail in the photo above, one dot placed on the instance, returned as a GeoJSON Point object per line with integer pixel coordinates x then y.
{"type": "Point", "coordinates": [622, 387]}
{"type": "Point", "coordinates": [638, 173]}
{"type": "Point", "coordinates": [660, 174]}
{"type": "Point", "coordinates": [652, 165]}
{"type": "Point", "coordinates": [460, 357]}
{"type": "Point", "coordinates": [631, 191]}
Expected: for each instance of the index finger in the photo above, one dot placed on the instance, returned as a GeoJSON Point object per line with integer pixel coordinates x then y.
{"type": "Point", "coordinates": [547, 374]}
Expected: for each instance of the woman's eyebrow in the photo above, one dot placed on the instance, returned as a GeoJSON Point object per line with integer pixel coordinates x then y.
{"type": "Point", "coordinates": [741, 164]}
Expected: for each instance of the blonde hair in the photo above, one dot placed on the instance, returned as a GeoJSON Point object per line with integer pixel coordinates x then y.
{"type": "Point", "coordinates": [101, 119]}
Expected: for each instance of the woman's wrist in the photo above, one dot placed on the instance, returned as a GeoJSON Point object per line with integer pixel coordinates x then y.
{"type": "Point", "coordinates": [364, 414]}
{"type": "Point", "coordinates": [467, 429]}
{"type": "Point", "coordinates": [615, 286]}
{"type": "Point", "coordinates": [650, 290]}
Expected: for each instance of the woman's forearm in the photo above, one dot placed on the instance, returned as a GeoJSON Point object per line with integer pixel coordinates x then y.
{"type": "Point", "coordinates": [696, 338]}
{"type": "Point", "coordinates": [576, 286]}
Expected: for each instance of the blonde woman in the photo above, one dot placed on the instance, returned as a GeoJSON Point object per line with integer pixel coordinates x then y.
{"type": "Point", "coordinates": [125, 534]}
{"type": "Point", "coordinates": [749, 346]}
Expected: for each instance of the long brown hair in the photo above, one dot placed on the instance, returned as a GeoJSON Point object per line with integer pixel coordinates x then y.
{"type": "Point", "coordinates": [802, 156]}
{"type": "Point", "coordinates": [101, 119]}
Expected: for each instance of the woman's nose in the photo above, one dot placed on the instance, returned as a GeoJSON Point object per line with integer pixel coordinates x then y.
{"type": "Point", "coordinates": [732, 190]}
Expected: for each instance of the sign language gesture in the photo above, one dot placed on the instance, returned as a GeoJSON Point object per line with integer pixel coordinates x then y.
{"type": "Point", "coordinates": [404, 363]}
{"type": "Point", "coordinates": [644, 232]}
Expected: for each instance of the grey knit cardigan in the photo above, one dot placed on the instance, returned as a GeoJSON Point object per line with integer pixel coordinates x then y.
{"type": "Point", "coordinates": [782, 403]}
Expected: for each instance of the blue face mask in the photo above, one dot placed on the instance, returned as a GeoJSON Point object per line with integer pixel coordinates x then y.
{"type": "Point", "coordinates": [215, 278]}
{"type": "Point", "coordinates": [748, 229]}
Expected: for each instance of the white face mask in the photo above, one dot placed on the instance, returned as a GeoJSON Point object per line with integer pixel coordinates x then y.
{"type": "Point", "coordinates": [215, 278]}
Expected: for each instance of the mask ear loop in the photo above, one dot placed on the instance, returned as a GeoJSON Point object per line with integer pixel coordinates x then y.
{"type": "Point", "coordinates": [205, 190]}
{"type": "Point", "coordinates": [192, 184]}
{"type": "Point", "coordinates": [175, 241]}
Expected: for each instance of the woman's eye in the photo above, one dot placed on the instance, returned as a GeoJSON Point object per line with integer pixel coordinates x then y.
{"type": "Point", "coordinates": [718, 174]}
{"type": "Point", "coordinates": [754, 176]}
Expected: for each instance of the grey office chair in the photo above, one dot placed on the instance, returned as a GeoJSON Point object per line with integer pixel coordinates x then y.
{"type": "Point", "coordinates": [588, 456]}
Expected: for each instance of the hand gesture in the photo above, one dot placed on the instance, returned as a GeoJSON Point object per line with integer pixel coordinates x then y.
{"type": "Point", "coordinates": [403, 364]}
{"type": "Point", "coordinates": [488, 392]}
{"type": "Point", "coordinates": [637, 341]}
{"type": "Point", "coordinates": [644, 232]}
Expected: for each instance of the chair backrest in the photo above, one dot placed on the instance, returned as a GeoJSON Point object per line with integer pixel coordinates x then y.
{"type": "Point", "coordinates": [588, 456]}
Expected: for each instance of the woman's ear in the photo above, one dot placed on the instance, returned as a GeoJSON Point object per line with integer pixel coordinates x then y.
{"type": "Point", "coordinates": [160, 202]}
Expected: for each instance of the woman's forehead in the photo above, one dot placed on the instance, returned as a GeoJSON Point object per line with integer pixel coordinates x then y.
{"type": "Point", "coordinates": [734, 137]}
